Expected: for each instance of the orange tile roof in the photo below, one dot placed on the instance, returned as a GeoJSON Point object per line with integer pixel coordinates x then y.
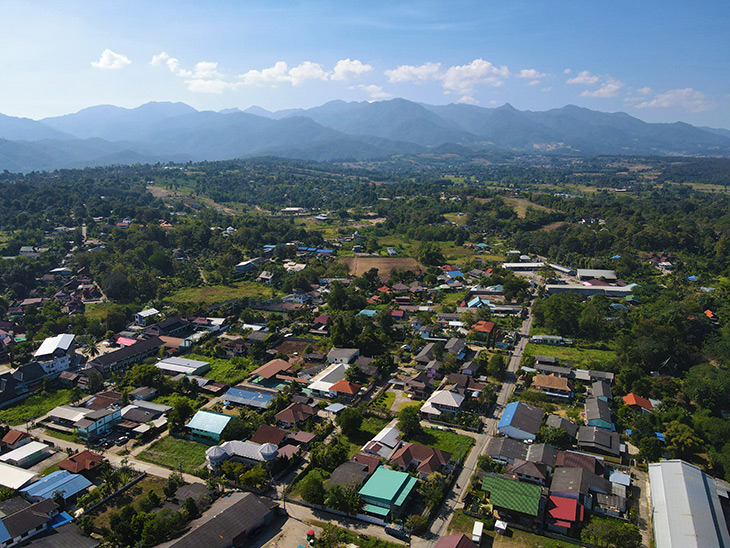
{"type": "Point", "coordinates": [551, 382]}
{"type": "Point", "coordinates": [80, 462]}
{"type": "Point", "coordinates": [483, 326]}
{"type": "Point", "coordinates": [273, 368]}
{"type": "Point", "coordinates": [345, 387]}
{"type": "Point", "coordinates": [633, 399]}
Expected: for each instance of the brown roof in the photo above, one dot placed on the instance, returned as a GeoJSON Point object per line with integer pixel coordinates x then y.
{"type": "Point", "coordinates": [103, 400]}
{"type": "Point", "coordinates": [296, 412]}
{"type": "Point", "coordinates": [345, 387]}
{"type": "Point", "coordinates": [430, 459]}
{"type": "Point", "coordinates": [372, 462]}
{"type": "Point", "coordinates": [14, 436]}
{"type": "Point", "coordinates": [273, 368]}
{"type": "Point", "coordinates": [269, 434]}
{"type": "Point", "coordinates": [572, 459]}
{"type": "Point", "coordinates": [80, 462]}
{"type": "Point", "coordinates": [455, 541]}
{"type": "Point", "coordinates": [551, 382]}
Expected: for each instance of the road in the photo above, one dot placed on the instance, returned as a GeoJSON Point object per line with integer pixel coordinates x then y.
{"type": "Point", "coordinates": [455, 499]}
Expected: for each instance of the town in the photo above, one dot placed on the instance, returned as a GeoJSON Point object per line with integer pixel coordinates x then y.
{"type": "Point", "coordinates": [467, 366]}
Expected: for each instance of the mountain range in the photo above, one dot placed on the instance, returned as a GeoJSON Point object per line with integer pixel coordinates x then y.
{"type": "Point", "coordinates": [338, 130]}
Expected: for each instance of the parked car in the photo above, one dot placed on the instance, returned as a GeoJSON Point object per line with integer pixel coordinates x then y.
{"type": "Point", "coordinates": [397, 530]}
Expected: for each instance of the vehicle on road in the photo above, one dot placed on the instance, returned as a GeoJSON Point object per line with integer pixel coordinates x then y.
{"type": "Point", "coordinates": [397, 530]}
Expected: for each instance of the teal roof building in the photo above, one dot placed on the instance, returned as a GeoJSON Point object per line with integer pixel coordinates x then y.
{"type": "Point", "coordinates": [386, 492]}
{"type": "Point", "coordinates": [208, 426]}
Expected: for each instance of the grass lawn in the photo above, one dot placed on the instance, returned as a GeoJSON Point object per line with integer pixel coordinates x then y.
{"type": "Point", "coordinates": [173, 452]}
{"type": "Point", "coordinates": [405, 404]}
{"type": "Point", "coordinates": [63, 436]}
{"type": "Point", "coordinates": [385, 400]}
{"type": "Point", "coordinates": [230, 372]}
{"type": "Point", "coordinates": [585, 358]}
{"type": "Point", "coordinates": [461, 523]}
{"type": "Point", "coordinates": [370, 427]}
{"type": "Point", "coordinates": [451, 442]}
{"type": "Point", "coordinates": [522, 539]}
{"type": "Point", "coordinates": [98, 311]}
{"type": "Point", "coordinates": [102, 514]}
{"type": "Point", "coordinates": [34, 407]}
{"type": "Point", "coordinates": [211, 294]}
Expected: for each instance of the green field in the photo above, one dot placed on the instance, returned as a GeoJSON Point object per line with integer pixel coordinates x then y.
{"type": "Point", "coordinates": [451, 442]}
{"type": "Point", "coordinates": [63, 436]}
{"type": "Point", "coordinates": [211, 294]}
{"type": "Point", "coordinates": [176, 453]}
{"type": "Point", "coordinates": [34, 407]}
{"type": "Point", "coordinates": [370, 427]}
{"type": "Point", "coordinates": [132, 495]}
{"type": "Point", "coordinates": [582, 358]}
{"type": "Point", "coordinates": [385, 400]}
{"type": "Point", "coordinates": [230, 372]}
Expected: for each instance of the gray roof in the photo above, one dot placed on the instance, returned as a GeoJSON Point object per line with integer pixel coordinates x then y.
{"type": "Point", "coordinates": [348, 473]}
{"type": "Point", "coordinates": [542, 452]}
{"type": "Point", "coordinates": [506, 449]}
{"type": "Point", "coordinates": [455, 345]}
{"type": "Point", "coordinates": [597, 410]}
{"type": "Point", "coordinates": [601, 388]}
{"type": "Point", "coordinates": [67, 536]}
{"type": "Point", "coordinates": [578, 480]}
{"type": "Point", "coordinates": [686, 508]}
{"type": "Point", "coordinates": [555, 421]}
{"type": "Point", "coordinates": [426, 354]}
{"type": "Point", "coordinates": [590, 437]}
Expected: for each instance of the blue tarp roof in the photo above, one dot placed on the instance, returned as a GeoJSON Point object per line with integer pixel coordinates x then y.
{"type": "Point", "coordinates": [508, 415]}
{"type": "Point", "coordinates": [60, 519]}
{"type": "Point", "coordinates": [207, 421]}
{"type": "Point", "coordinates": [61, 481]}
{"type": "Point", "coordinates": [455, 273]}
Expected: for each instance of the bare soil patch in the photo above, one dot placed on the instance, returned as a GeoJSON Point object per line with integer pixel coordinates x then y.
{"type": "Point", "coordinates": [359, 265]}
{"type": "Point", "coordinates": [520, 205]}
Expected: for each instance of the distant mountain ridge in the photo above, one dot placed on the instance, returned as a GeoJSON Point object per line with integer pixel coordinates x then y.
{"type": "Point", "coordinates": [337, 130]}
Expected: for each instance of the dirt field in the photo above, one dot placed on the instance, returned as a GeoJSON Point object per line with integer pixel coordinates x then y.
{"type": "Point", "coordinates": [290, 347]}
{"type": "Point", "coordinates": [359, 265]}
{"type": "Point", "coordinates": [552, 226]}
{"type": "Point", "coordinates": [521, 204]}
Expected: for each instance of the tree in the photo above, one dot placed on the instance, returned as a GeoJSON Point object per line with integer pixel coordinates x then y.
{"type": "Point", "coordinates": [345, 499]}
{"type": "Point", "coordinates": [191, 508]}
{"type": "Point", "coordinates": [417, 523]}
{"type": "Point", "coordinates": [75, 395]}
{"type": "Point", "coordinates": [174, 482]}
{"type": "Point", "coordinates": [650, 449]}
{"type": "Point", "coordinates": [96, 381]}
{"type": "Point", "coordinates": [433, 489]}
{"type": "Point", "coordinates": [312, 489]}
{"type": "Point", "coordinates": [611, 533]}
{"type": "Point", "coordinates": [681, 440]}
{"type": "Point", "coordinates": [329, 456]}
{"type": "Point", "coordinates": [254, 477]}
{"type": "Point", "coordinates": [409, 422]}
{"type": "Point", "coordinates": [556, 437]}
{"type": "Point", "coordinates": [349, 420]}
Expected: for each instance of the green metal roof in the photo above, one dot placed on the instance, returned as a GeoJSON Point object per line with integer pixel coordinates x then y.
{"type": "Point", "coordinates": [513, 495]}
{"type": "Point", "coordinates": [390, 485]}
{"type": "Point", "coordinates": [376, 509]}
{"type": "Point", "coordinates": [207, 421]}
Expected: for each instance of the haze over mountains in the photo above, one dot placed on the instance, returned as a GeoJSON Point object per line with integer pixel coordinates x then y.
{"type": "Point", "coordinates": [337, 130]}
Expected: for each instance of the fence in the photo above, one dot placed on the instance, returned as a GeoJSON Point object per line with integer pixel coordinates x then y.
{"type": "Point", "coordinates": [124, 487]}
{"type": "Point", "coordinates": [323, 508]}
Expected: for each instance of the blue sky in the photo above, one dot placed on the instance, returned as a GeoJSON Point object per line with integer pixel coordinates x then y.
{"type": "Point", "coordinates": [661, 61]}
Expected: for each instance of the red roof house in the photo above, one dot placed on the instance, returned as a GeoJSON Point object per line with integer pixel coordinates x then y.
{"type": "Point", "coordinates": [81, 463]}
{"type": "Point", "coordinates": [562, 513]}
{"type": "Point", "coordinates": [638, 403]}
{"type": "Point", "coordinates": [345, 389]}
{"type": "Point", "coordinates": [455, 541]}
{"type": "Point", "coordinates": [425, 460]}
{"type": "Point", "coordinates": [15, 438]}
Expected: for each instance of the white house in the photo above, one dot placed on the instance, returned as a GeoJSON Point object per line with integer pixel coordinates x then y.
{"type": "Point", "coordinates": [442, 401]}
{"type": "Point", "coordinates": [56, 353]}
{"type": "Point", "coordinates": [141, 318]}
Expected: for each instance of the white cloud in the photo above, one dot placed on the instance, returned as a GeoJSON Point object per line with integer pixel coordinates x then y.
{"type": "Point", "coordinates": [533, 83]}
{"type": "Point", "coordinates": [201, 85]}
{"type": "Point", "coordinates": [347, 68]}
{"type": "Point", "coordinates": [463, 78]}
{"type": "Point", "coordinates": [549, 88]}
{"type": "Point", "coordinates": [531, 73]}
{"type": "Point", "coordinates": [644, 91]}
{"type": "Point", "coordinates": [566, 71]}
{"type": "Point", "coordinates": [585, 78]}
{"type": "Point", "coordinates": [272, 75]}
{"type": "Point", "coordinates": [307, 71]}
{"type": "Point", "coordinates": [609, 88]}
{"type": "Point", "coordinates": [375, 92]}
{"type": "Point", "coordinates": [469, 100]}
{"type": "Point", "coordinates": [688, 99]}
{"type": "Point", "coordinates": [206, 69]}
{"type": "Point", "coordinates": [202, 70]}
{"type": "Point", "coordinates": [407, 73]}
{"type": "Point", "coordinates": [111, 60]}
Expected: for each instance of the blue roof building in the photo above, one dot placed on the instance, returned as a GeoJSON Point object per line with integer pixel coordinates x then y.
{"type": "Point", "coordinates": [208, 426]}
{"type": "Point", "coordinates": [62, 481]}
{"type": "Point", "coordinates": [249, 398]}
{"type": "Point", "coordinates": [520, 421]}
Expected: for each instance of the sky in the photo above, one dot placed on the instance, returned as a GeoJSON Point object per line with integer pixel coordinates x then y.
{"type": "Point", "coordinates": [661, 61]}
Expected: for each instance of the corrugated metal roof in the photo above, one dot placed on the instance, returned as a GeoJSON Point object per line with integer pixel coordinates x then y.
{"type": "Point", "coordinates": [51, 344]}
{"type": "Point", "coordinates": [61, 481]}
{"type": "Point", "coordinates": [208, 421]}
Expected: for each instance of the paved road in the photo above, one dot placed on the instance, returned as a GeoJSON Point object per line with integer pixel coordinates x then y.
{"type": "Point", "coordinates": [455, 499]}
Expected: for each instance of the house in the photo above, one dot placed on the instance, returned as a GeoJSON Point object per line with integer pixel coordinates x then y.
{"type": "Point", "coordinates": [97, 423]}
{"type": "Point", "coordinates": [424, 460]}
{"type": "Point", "coordinates": [574, 459]}
{"type": "Point", "coordinates": [520, 421]}
{"type": "Point", "coordinates": [456, 347]}
{"type": "Point", "coordinates": [269, 434]}
{"type": "Point", "coordinates": [610, 505]}
{"type": "Point", "coordinates": [129, 355]}
{"type": "Point", "coordinates": [14, 439]}
{"type": "Point", "coordinates": [563, 514]}
{"type": "Point", "coordinates": [142, 317]}
{"type": "Point", "coordinates": [27, 455]}
{"type": "Point", "coordinates": [578, 484]}
{"type": "Point", "coordinates": [455, 541]}
{"type": "Point", "coordinates": [485, 328]}
{"type": "Point", "coordinates": [556, 421]}
{"type": "Point", "coordinates": [207, 426]}
{"type": "Point", "coordinates": [321, 383]}
{"type": "Point", "coordinates": [442, 402]}
{"type": "Point", "coordinates": [602, 390]}
{"type": "Point", "coordinates": [419, 386]}
{"type": "Point", "coordinates": [426, 354]}
{"type": "Point", "coordinates": [597, 440]}
{"type": "Point", "coordinates": [512, 500]}
{"type": "Point", "coordinates": [22, 520]}
{"type": "Point", "coordinates": [343, 355]}
{"type": "Point", "coordinates": [344, 390]}
{"type": "Point", "coordinates": [145, 393]}
{"type": "Point", "coordinates": [553, 386]}
{"type": "Point", "coordinates": [386, 492]}
{"type": "Point", "coordinates": [295, 413]}
{"type": "Point", "coordinates": [384, 443]}
{"type": "Point", "coordinates": [590, 274]}
{"type": "Point", "coordinates": [552, 340]}
{"type": "Point", "coordinates": [598, 414]}
{"type": "Point", "coordinates": [230, 521]}
{"type": "Point", "coordinates": [638, 403]}
{"type": "Point", "coordinates": [524, 470]}
{"type": "Point", "coordinates": [176, 366]}
{"type": "Point", "coordinates": [60, 482]}
{"type": "Point", "coordinates": [56, 354]}
{"type": "Point", "coordinates": [15, 478]}
{"type": "Point", "coordinates": [84, 462]}
{"type": "Point", "coordinates": [247, 266]}
{"type": "Point", "coordinates": [347, 474]}
{"type": "Point", "coordinates": [271, 369]}
{"type": "Point", "coordinates": [686, 506]}
{"type": "Point", "coordinates": [169, 327]}
{"type": "Point", "coordinates": [64, 536]}
{"type": "Point", "coordinates": [246, 452]}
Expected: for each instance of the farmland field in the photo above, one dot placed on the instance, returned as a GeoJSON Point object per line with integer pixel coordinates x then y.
{"type": "Point", "coordinates": [359, 265]}
{"type": "Point", "coordinates": [211, 294]}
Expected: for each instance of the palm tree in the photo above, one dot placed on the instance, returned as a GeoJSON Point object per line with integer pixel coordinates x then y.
{"type": "Point", "coordinates": [90, 344]}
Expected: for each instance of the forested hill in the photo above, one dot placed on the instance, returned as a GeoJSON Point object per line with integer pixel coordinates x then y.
{"type": "Point", "coordinates": [105, 135]}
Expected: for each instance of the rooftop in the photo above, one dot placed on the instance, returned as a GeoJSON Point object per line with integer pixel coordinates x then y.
{"type": "Point", "coordinates": [207, 421]}
{"type": "Point", "coordinates": [513, 495]}
{"type": "Point", "coordinates": [389, 485]}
